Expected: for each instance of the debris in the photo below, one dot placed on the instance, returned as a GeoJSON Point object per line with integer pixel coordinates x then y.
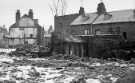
{"type": "Point", "coordinates": [129, 78]}
{"type": "Point", "coordinates": [61, 68]}
{"type": "Point", "coordinates": [93, 81]}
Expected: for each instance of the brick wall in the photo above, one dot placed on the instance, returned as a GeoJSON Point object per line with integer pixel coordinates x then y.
{"type": "Point", "coordinates": [80, 29]}
{"type": "Point", "coordinates": [62, 23]}
{"type": "Point", "coordinates": [112, 28]}
{"type": "Point", "coordinates": [128, 27]}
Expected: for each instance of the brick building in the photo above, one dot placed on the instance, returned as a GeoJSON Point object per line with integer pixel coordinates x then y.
{"type": "Point", "coordinates": [25, 30]}
{"type": "Point", "coordinates": [100, 22]}
{"type": "Point", "coordinates": [62, 23]}
{"type": "Point", "coordinates": [99, 28]}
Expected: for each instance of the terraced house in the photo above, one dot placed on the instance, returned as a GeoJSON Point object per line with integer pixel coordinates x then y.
{"type": "Point", "coordinates": [98, 25]}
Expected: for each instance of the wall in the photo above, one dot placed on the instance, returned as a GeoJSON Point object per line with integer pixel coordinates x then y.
{"type": "Point", "coordinates": [14, 42]}
{"type": "Point", "coordinates": [80, 30]}
{"type": "Point", "coordinates": [20, 35]}
{"type": "Point", "coordinates": [129, 28]}
{"type": "Point", "coordinates": [19, 32]}
{"type": "Point", "coordinates": [62, 23]}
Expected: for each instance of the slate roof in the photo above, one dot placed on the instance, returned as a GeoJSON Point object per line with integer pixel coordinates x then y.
{"type": "Point", "coordinates": [87, 19]}
{"type": "Point", "coordinates": [110, 17]}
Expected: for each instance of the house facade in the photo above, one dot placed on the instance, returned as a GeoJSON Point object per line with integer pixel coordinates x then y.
{"type": "Point", "coordinates": [25, 30]}
{"type": "Point", "coordinates": [101, 22]}
{"type": "Point", "coordinates": [99, 29]}
{"type": "Point", "coordinates": [116, 22]}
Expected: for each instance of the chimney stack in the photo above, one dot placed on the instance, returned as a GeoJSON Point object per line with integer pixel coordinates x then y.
{"type": "Point", "coordinates": [30, 13]}
{"type": "Point", "coordinates": [101, 8]}
{"type": "Point", "coordinates": [17, 15]}
{"type": "Point", "coordinates": [81, 11]}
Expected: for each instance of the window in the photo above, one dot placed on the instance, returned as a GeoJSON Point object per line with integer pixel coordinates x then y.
{"type": "Point", "coordinates": [125, 35]}
{"type": "Point", "coordinates": [97, 31]}
{"type": "Point", "coordinates": [21, 28]}
{"type": "Point", "coordinates": [31, 35]}
{"type": "Point", "coordinates": [110, 30]}
{"type": "Point", "coordinates": [86, 32]}
{"type": "Point", "coordinates": [117, 30]}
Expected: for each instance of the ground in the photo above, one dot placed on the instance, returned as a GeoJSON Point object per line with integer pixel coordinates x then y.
{"type": "Point", "coordinates": [59, 70]}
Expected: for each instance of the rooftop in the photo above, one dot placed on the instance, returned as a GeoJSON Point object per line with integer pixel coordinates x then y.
{"type": "Point", "coordinates": [109, 17]}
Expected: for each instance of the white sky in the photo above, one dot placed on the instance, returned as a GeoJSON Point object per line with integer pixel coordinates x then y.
{"type": "Point", "coordinates": [42, 11]}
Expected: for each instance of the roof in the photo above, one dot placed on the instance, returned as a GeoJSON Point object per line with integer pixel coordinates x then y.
{"type": "Point", "coordinates": [87, 19]}
{"type": "Point", "coordinates": [26, 21]}
{"type": "Point", "coordinates": [110, 17]}
{"type": "Point", "coordinates": [117, 16]}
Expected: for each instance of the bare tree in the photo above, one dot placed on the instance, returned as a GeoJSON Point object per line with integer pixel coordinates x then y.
{"type": "Point", "coordinates": [58, 7]}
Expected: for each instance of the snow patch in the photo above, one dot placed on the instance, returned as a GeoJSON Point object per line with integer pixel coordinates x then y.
{"type": "Point", "coordinates": [93, 81]}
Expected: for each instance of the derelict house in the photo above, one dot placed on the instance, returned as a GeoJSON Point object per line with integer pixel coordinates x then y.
{"type": "Point", "coordinates": [98, 29]}
{"type": "Point", "coordinates": [25, 30]}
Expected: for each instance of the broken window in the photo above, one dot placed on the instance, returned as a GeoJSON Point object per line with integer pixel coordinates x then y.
{"type": "Point", "coordinates": [31, 35]}
{"type": "Point", "coordinates": [125, 35]}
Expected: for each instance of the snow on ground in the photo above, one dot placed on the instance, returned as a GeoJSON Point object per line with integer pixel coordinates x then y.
{"type": "Point", "coordinates": [6, 50]}
{"type": "Point", "coordinates": [41, 70]}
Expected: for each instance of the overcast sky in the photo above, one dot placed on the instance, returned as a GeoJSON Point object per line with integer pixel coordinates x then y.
{"type": "Point", "coordinates": [42, 11]}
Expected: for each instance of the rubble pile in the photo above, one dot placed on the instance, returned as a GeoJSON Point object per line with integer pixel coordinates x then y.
{"type": "Point", "coordinates": [65, 57]}
{"type": "Point", "coordinates": [24, 51]}
{"type": "Point", "coordinates": [63, 69]}
{"type": "Point", "coordinates": [40, 70]}
{"type": "Point", "coordinates": [30, 51]}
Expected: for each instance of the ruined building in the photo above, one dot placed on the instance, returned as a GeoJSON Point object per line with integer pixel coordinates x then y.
{"type": "Point", "coordinates": [25, 30]}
